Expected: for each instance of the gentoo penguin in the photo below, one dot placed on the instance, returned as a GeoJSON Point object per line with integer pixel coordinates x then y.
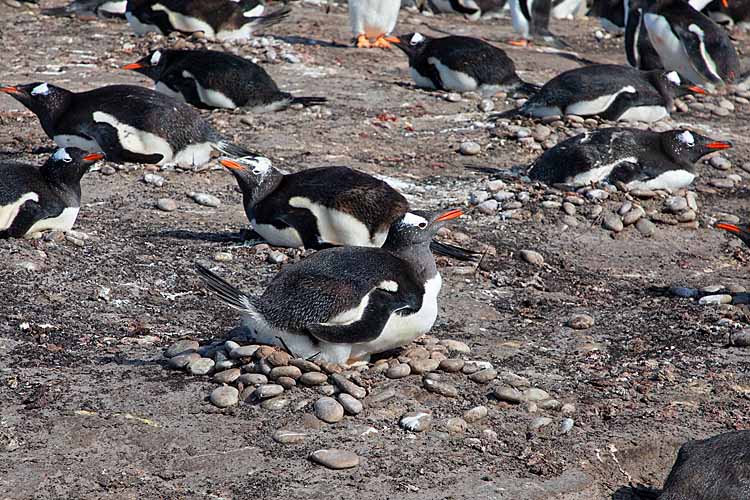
{"type": "Point", "coordinates": [222, 20]}
{"type": "Point", "coordinates": [742, 231]}
{"type": "Point", "coordinates": [34, 199]}
{"type": "Point", "coordinates": [210, 79]}
{"type": "Point", "coordinates": [638, 48]}
{"type": "Point", "coordinates": [610, 91]}
{"type": "Point", "coordinates": [717, 468]}
{"type": "Point", "coordinates": [729, 13]}
{"type": "Point", "coordinates": [691, 43]}
{"type": "Point", "coordinates": [320, 207]}
{"type": "Point", "coordinates": [99, 8]}
{"type": "Point", "coordinates": [343, 304]}
{"type": "Point", "coordinates": [530, 19]}
{"type": "Point", "coordinates": [127, 123]}
{"type": "Point", "coordinates": [460, 64]}
{"type": "Point", "coordinates": [640, 159]}
{"type": "Point", "coordinates": [373, 19]}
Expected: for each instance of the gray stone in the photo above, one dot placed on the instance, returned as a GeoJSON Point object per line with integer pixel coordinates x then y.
{"type": "Point", "coordinates": [475, 414]}
{"type": "Point", "coordinates": [538, 422]}
{"type": "Point", "coordinates": [675, 204]}
{"type": "Point", "coordinates": [328, 410]}
{"type": "Point", "coordinates": [227, 376]}
{"type": "Point", "coordinates": [535, 394]}
{"type": "Point", "coordinates": [455, 346]}
{"type": "Point", "coordinates": [421, 366]}
{"type": "Point", "coordinates": [483, 376]}
{"type": "Point", "coordinates": [286, 371]}
{"type": "Point", "coordinates": [686, 216]}
{"type": "Point", "coordinates": [509, 395]}
{"type": "Point", "coordinates": [451, 365]}
{"type": "Point", "coordinates": [252, 379]}
{"type": "Point", "coordinates": [351, 405]}
{"type": "Point", "coordinates": [568, 409]}
{"type": "Point", "coordinates": [532, 257]}
{"type": "Point", "coordinates": [541, 133]}
{"type": "Point", "coordinates": [201, 366]}
{"type": "Point", "coordinates": [580, 322]}
{"type": "Point", "coordinates": [721, 183]}
{"type": "Point", "coordinates": [416, 421]}
{"type": "Point", "coordinates": [304, 365]}
{"type": "Point", "coordinates": [720, 163]}
{"type": "Point", "coordinates": [504, 196]}
{"type": "Point", "coordinates": [549, 404]}
{"type": "Point", "coordinates": [166, 204]}
{"type": "Point", "coordinates": [740, 338]}
{"type": "Point", "coordinates": [313, 378]}
{"type": "Point", "coordinates": [224, 396]}
{"type": "Point", "coordinates": [153, 179]}
{"type": "Point", "coordinates": [182, 360]}
{"type": "Point", "coordinates": [328, 390]}
{"type": "Point", "coordinates": [275, 404]}
{"type": "Point", "coordinates": [645, 227]}
{"type": "Point", "coordinates": [597, 194]}
{"type": "Point", "coordinates": [205, 199]}
{"type": "Point", "coordinates": [456, 425]}
{"type": "Point", "coordinates": [380, 397]}
{"type": "Point", "coordinates": [488, 207]}
{"type": "Point", "coordinates": [245, 351]}
{"type": "Point", "coordinates": [441, 388]}
{"type": "Point", "coordinates": [286, 382]}
{"type": "Point", "coordinates": [566, 425]}
{"type": "Point", "coordinates": [286, 436]}
{"type": "Point", "coordinates": [569, 208]}
{"type": "Point", "coordinates": [477, 197]}
{"type": "Point", "coordinates": [222, 361]}
{"type": "Point", "coordinates": [400, 370]}
{"type": "Point", "coordinates": [612, 222]}
{"type": "Point", "coordinates": [470, 148]}
{"type": "Point", "coordinates": [625, 208]}
{"type": "Point", "coordinates": [632, 216]}
{"type": "Point", "coordinates": [335, 459]}
{"type": "Point", "coordinates": [276, 257]}
{"type": "Point", "coordinates": [181, 347]}
{"type": "Point", "coordinates": [266, 391]}
{"type": "Point", "coordinates": [453, 97]}
{"type": "Point", "coordinates": [348, 386]}
{"type": "Point", "coordinates": [486, 105]}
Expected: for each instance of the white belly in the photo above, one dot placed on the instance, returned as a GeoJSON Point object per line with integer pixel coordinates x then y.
{"type": "Point", "coordinates": [339, 228]}
{"type": "Point", "coordinates": [245, 32]}
{"type": "Point", "coordinates": [185, 23]}
{"type": "Point", "coordinates": [75, 141]}
{"type": "Point", "coordinates": [210, 97]}
{"type": "Point", "coordinates": [400, 330]}
{"type": "Point", "coordinates": [114, 7]}
{"type": "Point", "coordinates": [9, 212]}
{"type": "Point", "coordinates": [453, 80]}
{"type": "Point", "coordinates": [673, 179]}
{"type": "Point", "coordinates": [256, 11]}
{"type": "Point", "coordinates": [599, 174]}
{"type": "Point", "coordinates": [137, 141]}
{"type": "Point", "coordinates": [565, 9]}
{"type": "Point", "coordinates": [162, 88]}
{"type": "Point", "coordinates": [421, 81]}
{"type": "Point", "coordinates": [520, 23]}
{"type": "Point", "coordinates": [287, 237]}
{"type": "Point", "coordinates": [138, 27]}
{"type": "Point", "coordinates": [670, 49]}
{"type": "Point", "coordinates": [63, 222]}
{"type": "Point", "coordinates": [645, 114]}
{"type": "Point", "coordinates": [373, 17]}
{"type": "Point", "coordinates": [194, 155]}
{"type": "Point", "coordinates": [596, 106]}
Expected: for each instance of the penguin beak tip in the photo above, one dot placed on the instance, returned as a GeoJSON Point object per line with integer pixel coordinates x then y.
{"type": "Point", "coordinates": [231, 164]}
{"type": "Point", "coordinates": [449, 215]}
{"type": "Point", "coordinates": [93, 157]}
{"type": "Point", "coordinates": [132, 66]}
{"type": "Point", "coordinates": [393, 39]}
{"type": "Point", "coordinates": [10, 90]}
{"type": "Point", "coordinates": [698, 90]}
{"type": "Point", "coordinates": [727, 227]}
{"type": "Point", "coordinates": [719, 145]}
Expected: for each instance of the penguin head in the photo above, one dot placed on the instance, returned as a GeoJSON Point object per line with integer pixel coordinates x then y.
{"type": "Point", "coordinates": [45, 100]}
{"type": "Point", "coordinates": [418, 227]}
{"type": "Point", "coordinates": [741, 231]}
{"type": "Point", "coordinates": [67, 165]}
{"type": "Point", "coordinates": [151, 65]}
{"type": "Point", "coordinates": [671, 84]}
{"type": "Point", "coordinates": [685, 146]}
{"type": "Point", "coordinates": [412, 44]}
{"type": "Point", "coordinates": [256, 176]}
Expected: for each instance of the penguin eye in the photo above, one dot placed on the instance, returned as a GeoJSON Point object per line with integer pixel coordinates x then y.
{"type": "Point", "coordinates": [422, 225]}
{"type": "Point", "coordinates": [257, 171]}
{"type": "Point", "coordinates": [67, 159]}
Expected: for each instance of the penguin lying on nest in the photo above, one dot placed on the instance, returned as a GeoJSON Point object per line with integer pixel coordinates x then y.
{"type": "Point", "coordinates": [343, 304]}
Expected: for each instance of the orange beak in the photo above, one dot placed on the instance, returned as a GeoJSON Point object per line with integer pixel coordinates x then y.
{"type": "Point", "coordinates": [725, 3]}
{"type": "Point", "coordinates": [93, 157]}
{"type": "Point", "coordinates": [697, 90]}
{"type": "Point", "coordinates": [232, 164]}
{"type": "Point", "coordinates": [392, 39]}
{"type": "Point", "coordinates": [450, 214]}
{"type": "Point", "coordinates": [133, 66]}
{"type": "Point", "coordinates": [728, 227]}
{"type": "Point", "coordinates": [719, 145]}
{"type": "Point", "coordinates": [10, 90]}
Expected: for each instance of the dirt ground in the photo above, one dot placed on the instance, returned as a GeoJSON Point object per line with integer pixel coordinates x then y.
{"type": "Point", "coordinates": [89, 410]}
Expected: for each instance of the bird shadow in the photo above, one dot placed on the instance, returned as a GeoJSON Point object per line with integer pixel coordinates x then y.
{"type": "Point", "coordinates": [637, 492]}
{"type": "Point", "coordinates": [303, 40]}
{"type": "Point", "coordinates": [184, 234]}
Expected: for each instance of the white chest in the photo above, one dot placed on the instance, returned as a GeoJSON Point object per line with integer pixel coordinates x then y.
{"type": "Point", "coordinates": [210, 97]}
{"type": "Point", "coordinates": [670, 49]}
{"type": "Point", "coordinates": [114, 7]}
{"type": "Point", "coordinates": [518, 20]}
{"type": "Point", "coordinates": [135, 140]}
{"type": "Point", "coordinates": [421, 81]}
{"type": "Point", "coordinates": [645, 114]}
{"type": "Point", "coordinates": [9, 212]}
{"type": "Point", "coordinates": [597, 105]}
{"type": "Point", "coordinates": [599, 174]}
{"type": "Point", "coordinates": [373, 17]}
{"type": "Point", "coordinates": [672, 179]}
{"type": "Point", "coordinates": [63, 222]}
{"type": "Point", "coordinates": [185, 23]}
{"type": "Point", "coordinates": [339, 228]}
{"type": "Point", "coordinates": [162, 88]}
{"type": "Point", "coordinates": [453, 80]}
{"type": "Point", "coordinates": [286, 237]}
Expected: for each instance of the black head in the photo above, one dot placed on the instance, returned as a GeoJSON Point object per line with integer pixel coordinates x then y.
{"type": "Point", "coordinates": [685, 146]}
{"type": "Point", "coordinates": [741, 231]}
{"type": "Point", "coordinates": [418, 227]}
{"type": "Point", "coordinates": [671, 84]}
{"type": "Point", "coordinates": [47, 101]}
{"type": "Point", "coordinates": [256, 176]}
{"type": "Point", "coordinates": [412, 44]}
{"type": "Point", "coordinates": [151, 65]}
{"type": "Point", "coordinates": [66, 166]}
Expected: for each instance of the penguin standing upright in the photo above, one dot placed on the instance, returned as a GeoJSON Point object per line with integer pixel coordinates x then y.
{"type": "Point", "coordinates": [460, 64]}
{"type": "Point", "coordinates": [344, 304]}
{"type": "Point", "coordinates": [373, 20]}
{"type": "Point", "coordinates": [39, 199]}
{"type": "Point", "coordinates": [639, 159]}
{"type": "Point", "coordinates": [209, 79]}
{"type": "Point", "coordinates": [638, 48]}
{"type": "Point", "coordinates": [530, 19]}
{"type": "Point", "coordinates": [127, 123]}
{"type": "Point", "coordinates": [222, 20]}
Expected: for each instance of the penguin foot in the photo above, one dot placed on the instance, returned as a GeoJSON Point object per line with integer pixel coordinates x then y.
{"type": "Point", "coordinates": [519, 43]}
{"type": "Point", "coordinates": [381, 42]}
{"type": "Point", "coordinates": [363, 42]}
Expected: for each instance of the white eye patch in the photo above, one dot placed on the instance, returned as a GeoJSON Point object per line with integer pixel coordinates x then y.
{"type": "Point", "coordinates": [260, 164]}
{"type": "Point", "coordinates": [416, 38]}
{"type": "Point", "coordinates": [414, 220]}
{"type": "Point", "coordinates": [62, 155]}
{"type": "Point", "coordinates": [686, 138]}
{"type": "Point", "coordinates": [674, 77]}
{"type": "Point", "coordinates": [41, 89]}
{"type": "Point", "coordinates": [155, 58]}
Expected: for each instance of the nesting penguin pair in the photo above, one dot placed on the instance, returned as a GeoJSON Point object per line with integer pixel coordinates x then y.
{"type": "Point", "coordinates": [460, 64]}
{"type": "Point", "coordinates": [35, 199]}
{"type": "Point", "coordinates": [609, 91]}
{"type": "Point", "coordinates": [343, 304]}
{"type": "Point", "coordinates": [209, 79]}
{"type": "Point", "coordinates": [127, 123]}
{"type": "Point", "coordinates": [639, 159]}
{"type": "Point", "coordinates": [222, 20]}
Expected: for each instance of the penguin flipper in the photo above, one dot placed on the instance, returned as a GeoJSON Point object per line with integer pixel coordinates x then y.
{"type": "Point", "coordinates": [106, 136]}
{"type": "Point", "coordinates": [691, 43]}
{"type": "Point", "coordinates": [453, 251]}
{"type": "Point", "coordinates": [272, 18]}
{"type": "Point", "coordinates": [30, 212]}
{"type": "Point", "coordinates": [226, 292]}
{"type": "Point", "coordinates": [309, 101]}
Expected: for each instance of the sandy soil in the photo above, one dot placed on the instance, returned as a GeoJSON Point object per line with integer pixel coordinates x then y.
{"type": "Point", "coordinates": [90, 411]}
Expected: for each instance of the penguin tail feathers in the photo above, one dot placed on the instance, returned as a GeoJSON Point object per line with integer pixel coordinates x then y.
{"type": "Point", "coordinates": [453, 251]}
{"type": "Point", "coordinates": [227, 293]}
{"type": "Point", "coordinates": [272, 18]}
{"type": "Point", "coordinates": [234, 150]}
{"type": "Point", "coordinates": [309, 101]}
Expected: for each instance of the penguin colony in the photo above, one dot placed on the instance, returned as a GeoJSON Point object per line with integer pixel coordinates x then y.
{"type": "Point", "coordinates": [372, 285]}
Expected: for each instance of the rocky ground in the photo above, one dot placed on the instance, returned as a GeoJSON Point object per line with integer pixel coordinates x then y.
{"type": "Point", "coordinates": [591, 374]}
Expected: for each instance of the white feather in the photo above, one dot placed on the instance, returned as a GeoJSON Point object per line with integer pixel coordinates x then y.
{"type": "Point", "coordinates": [9, 212]}
{"type": "Point", "coordinates": [373, 17]}
{"type": "Point", "coordinates": [339, 228]}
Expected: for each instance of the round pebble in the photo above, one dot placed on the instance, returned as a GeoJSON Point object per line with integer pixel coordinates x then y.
{"type": "Point", "coordinates": [580, 322]}
{"type": "Point", "coordinates": [535, 394]}
{"type": "Point", "coordinates": [440, 388]}
{"type": "Point", "coordinates": [181, 347]}
{"type": "Point", "coordinates": [285, 436]}
{"type": "Point", "coordinates": [470, 148]}
{"type": "Point", "coordinates": [279, 358]}
{"type": "Point", "coordinates": [227, 376]}
{"type": "Point", "coordinates": [421, 366]}
{"type": "Point", "coordinates": [532, 257]}
{"type": "Point", "coordinates": [566, 425]}
{"type": "Point", "coordinates": [286, 382]}
{"type": "Point", "coordinates": [335, 459]}
{"type": "Point", "coordinates": [483, 376]}
{"type": "Point", "coordinates": [612, 222]}
{"type": "Point", "coordinates": [274, 404]}
{"type": "Point", "coordinates": [488, 207]}
{"type": "Point", "coordinates": [455, 346]}
{"type": "Point", "coordinates": [715, 299]}
{"type": "Point", "coordinates": [244, 351]}
{"type": "Point", "coordinates": [475, 414]}
{"type": "Point", "coordinates": [509, 395]}
{"type": "Point", "coordinates": [456, 425]}
{"type": "Point", "coordinates": [205, 199]}
{"type": "Point", "coordinates": [451, 365]}
{"type": "Point", "coordinates": [182, 360]}
{"type": "Point", "coordinates": [286, 371]}
{"type": "Point", "coordinates": [400, 370]}
{"type": "Point", "coordinates": [252, 379]}
{"type": "Point", "coordinates": [539, 422]}
{"type": "Point", "coordinates": [351, 405]}
{"type": "Point", "coordinates": [328, 410]}
{"type": "Point", "coordinates": [645, 227]}
{"type": "Point", "coordinates": [348, 386]}
{"type": "Point", "coordinates": [741, 338]}
{"type": "Point", "coordinates": [266, 391]}
{"type": "Point", "coordinates": [201, 366]}
{"type": "Point", "coordinates": [224, 396]}
{"type": "Point", "coordinates": [166, 204]}
{"type": "Point", "coordinates": [304, 365]}
{"type": "Point", "coordinates": [313, 378]}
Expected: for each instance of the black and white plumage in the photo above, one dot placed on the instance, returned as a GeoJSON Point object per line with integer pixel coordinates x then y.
{"type": "Point", "coordinates": [127, 123]}
{"type": "Point", "coordinates": [638, 48]}
{"type": "Point", "coordinates": [530, 19]}
{"type": "Point", "coordinates": [717, 468]}
{"type": "Point", "coordinates": [611, 14]}
{"type": "Point", "coordinates": [343, 304]}
{"type": "Point", "coordinates": [99, 8]}
{"type": "Point", "coordinates": [609, 91]}
{"type": "Point", "coordinates": [35, 199]}
{"type": "Point", "coordinates": [222, 20]}
{"type": "Point", "coordinates": [741, 230]}
{"type": "Point", "coordinates": [460, 64]}
{"type": "Point", "coordinates": [320, 207]}
{"type": "Point", "coordinates": [639, 159]}
{"type": "Point", "coordinates": [209, 79]}
{"type": "Point", "coordinates": [470, 9]}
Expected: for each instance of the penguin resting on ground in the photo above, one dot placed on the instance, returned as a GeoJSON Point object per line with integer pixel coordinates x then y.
{"type": "Point", "coordinates": [222, 20]}
{"type": "Point", "coordinates": [343, 304]}
{"type": "Point", "coordinates": [127, 123]}
{"type": "Point", "coordinates": [83, 8]}
{"type": "Point", "coordinates": [34, 199]}
{"type": "Point", "coordinates": [209, 79]}
{"type": "Point", "coordinates": [373, 19]}
{"type": "Point", "coordinates": [609, 91]}
{"type": "Point", "coordinates": [460, 64]}
{"type": "Point", "coordinates": [639, 159]}
{"type": "Point", "coordinates": [321, 207]}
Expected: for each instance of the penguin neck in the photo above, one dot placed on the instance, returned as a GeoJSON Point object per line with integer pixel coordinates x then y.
{"type": "Point", "coordinates": [419, 257]}
{"type": "Point", "coordinates": [68, 189]}
{"type": "Point", "coordinates": [253, 194]}
{"type": "Point", "coordinates": [49, 112]}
